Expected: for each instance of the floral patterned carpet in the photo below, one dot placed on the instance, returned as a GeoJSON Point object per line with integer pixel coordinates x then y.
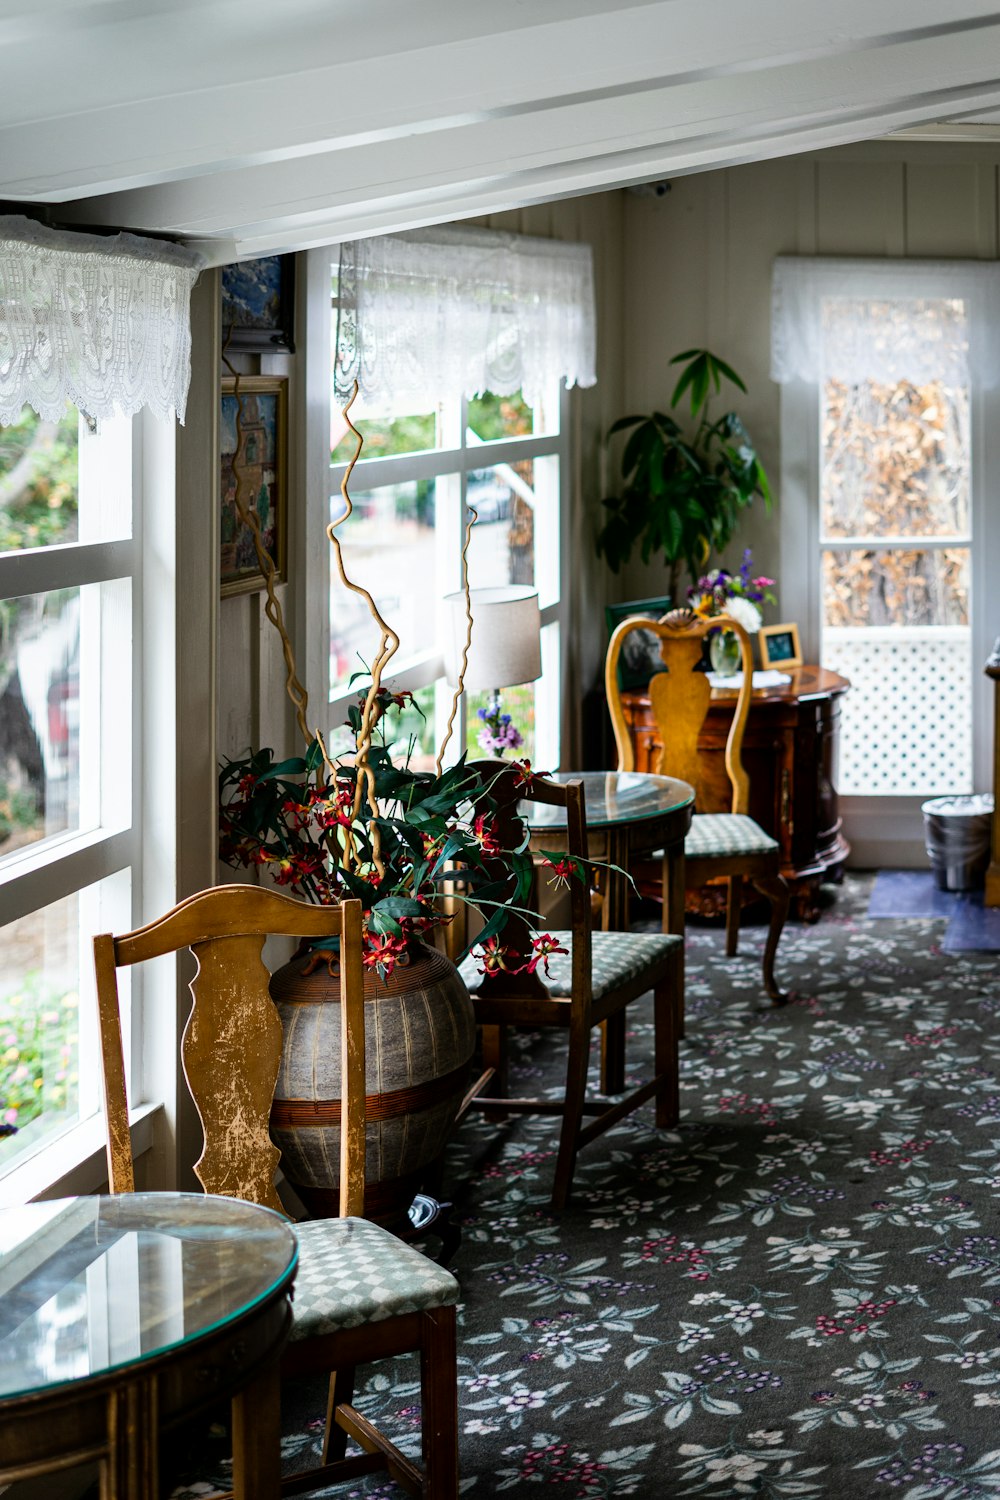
{"type": "Point", "coordinates": [796, 1293]}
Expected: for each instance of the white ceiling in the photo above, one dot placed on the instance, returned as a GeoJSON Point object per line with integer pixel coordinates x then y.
{"type": "Point", "coordinates": [263, 125]}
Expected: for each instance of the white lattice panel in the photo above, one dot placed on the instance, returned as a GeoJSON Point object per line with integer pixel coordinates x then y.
{"type": "Point", "coordinates": [907, 721]}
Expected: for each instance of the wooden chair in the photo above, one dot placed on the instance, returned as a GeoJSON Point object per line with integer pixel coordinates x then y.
{"type": "Point", "coordinates": [601, 974]}
{"type": "Point", "coordinates": [718, 844]}
{"type": "Point", "coordinates": [360, 1293]}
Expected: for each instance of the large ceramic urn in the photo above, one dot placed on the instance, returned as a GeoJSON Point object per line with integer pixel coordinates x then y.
{"type": "Point", "coordinates": [419, 1037]}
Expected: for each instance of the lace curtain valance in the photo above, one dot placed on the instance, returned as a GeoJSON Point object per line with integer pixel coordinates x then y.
{"type": "Point", "coordinates": [102, 322]}
{"type": "Point", "coordinates": [885, 320]}
{"type": "Point", "coordinates": [462, 311]}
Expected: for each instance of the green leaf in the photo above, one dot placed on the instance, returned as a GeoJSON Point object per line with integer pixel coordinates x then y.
{"type": "Point", "coordinates": [398, 906]}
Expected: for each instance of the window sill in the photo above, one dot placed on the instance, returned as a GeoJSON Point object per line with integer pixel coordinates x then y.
{"type": "Point", "coordinates": [73, 1164]}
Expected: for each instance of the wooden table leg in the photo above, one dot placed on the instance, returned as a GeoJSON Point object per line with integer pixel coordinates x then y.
{"type": "Point", "coordinates": [673, 913]}
{"type": "Point", "coordinates": [615, 919]}
{"type": "Point", "coordinates": [257, 1438]}
{"type": "Point", "coordinates": [131, 1470]}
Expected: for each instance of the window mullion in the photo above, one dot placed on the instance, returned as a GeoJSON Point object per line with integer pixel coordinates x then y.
{"type": "Point", "coordinates": [71, 565]}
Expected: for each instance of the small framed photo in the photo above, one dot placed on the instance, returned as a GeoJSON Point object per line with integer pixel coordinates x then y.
{"type": "Point", "coordinates": [258, 305]}
{"type": "Point", "coordinates": [640, 657]}
{"type": "Point", "coordinates": [265, 464]}
{"type": "Point", "coordinates": [779, 646]}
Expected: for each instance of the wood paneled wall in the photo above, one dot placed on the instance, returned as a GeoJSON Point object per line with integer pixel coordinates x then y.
{"type": "Point", "coordinates": [698, 266]}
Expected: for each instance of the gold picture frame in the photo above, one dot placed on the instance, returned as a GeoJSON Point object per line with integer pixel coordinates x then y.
{"type": "Point", "coordinates": [265, 424]}
{"type": "Point", "coordinates": [779, 646]}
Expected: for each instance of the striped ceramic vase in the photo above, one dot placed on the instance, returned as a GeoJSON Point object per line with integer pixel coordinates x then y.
{"type": "Point", "coordinates": [419, 1037]}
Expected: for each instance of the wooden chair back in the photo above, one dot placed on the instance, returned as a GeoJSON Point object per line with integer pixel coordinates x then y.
{"type": "Point", "coordinates": [680, 697]}
{"type": "Point", "coordinates": [231, 1047]}
{"type": "Point", "coordinates": [507, 787]}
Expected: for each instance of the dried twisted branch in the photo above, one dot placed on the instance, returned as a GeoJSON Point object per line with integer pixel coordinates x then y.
{"type": "Point", "coordinates": [473, 516]}
{"type": "Point", "coordinates": [388, 646]}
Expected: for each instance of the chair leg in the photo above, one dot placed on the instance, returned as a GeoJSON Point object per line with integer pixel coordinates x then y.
{"type": "Point", "coordinates": [775, 888]}
{"type": "Point", "coordinates": [667, 1013]}
{"type": "Point", "coordinates": [439, 1404]}
{"type": "Point", "coordinates": [341, 1388]}
{"type": "Point", "coordinates": [613, 1054]}
{"type": "Point", "coordinates": [733, 905]}
{"type": "Point", "coordinates": [496, 1053]}
{"type": "Point", "coordinates": [576, 1088]}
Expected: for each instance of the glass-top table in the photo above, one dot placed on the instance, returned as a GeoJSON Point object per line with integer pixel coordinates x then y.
{"type": "Point", "coordinates": [615, 797]}
{"type": "Point", "coordinates": [120, 1315]}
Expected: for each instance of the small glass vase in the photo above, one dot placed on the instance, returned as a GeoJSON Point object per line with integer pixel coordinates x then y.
{"type": "Point", "coordinates": [724, 652]}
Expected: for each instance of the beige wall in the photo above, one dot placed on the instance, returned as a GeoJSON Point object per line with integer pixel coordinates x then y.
{"type": "Point", "coordinates": [698, 268]}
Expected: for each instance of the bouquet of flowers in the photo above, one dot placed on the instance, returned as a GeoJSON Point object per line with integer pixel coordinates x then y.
{"type": "Point", "coordinates": [386, 834]}
{"type": "Point", "coordinates": [735, 594]}
{"type": "Point", "coordinates": [498, 733]}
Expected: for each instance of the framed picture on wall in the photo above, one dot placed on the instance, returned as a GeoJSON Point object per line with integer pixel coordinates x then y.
{"type": "Point", "coordinates": [779, 646]}
{"type": "Point", "coordinates": [265, 465]}
{"type": "Point", "coordinates": [640, 657]}
{"type": "Point", "coordinates": [258, 305]}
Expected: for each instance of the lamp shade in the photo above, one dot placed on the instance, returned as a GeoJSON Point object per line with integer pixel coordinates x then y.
{"type": "Point", "coordinates": [506, 638]}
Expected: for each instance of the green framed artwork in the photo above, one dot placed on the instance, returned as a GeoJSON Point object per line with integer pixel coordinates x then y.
{"type": "Point", "coordinates": [265, 426]}
{"type": "Point", "coordinates": [640, 656]}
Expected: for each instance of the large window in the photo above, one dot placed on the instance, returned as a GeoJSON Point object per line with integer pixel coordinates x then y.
{"type": "Point", "coordinates": [68, 789]}
{"type": "Point", "coordinates": [419, 474]}
{"type": "Point", "coordinates": [895, 548]}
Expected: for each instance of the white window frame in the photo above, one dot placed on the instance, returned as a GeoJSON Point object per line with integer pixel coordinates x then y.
{"type": "Point", "coordinates": [312, 604]}
{"type": "Point", "coordinates": [886, 831]}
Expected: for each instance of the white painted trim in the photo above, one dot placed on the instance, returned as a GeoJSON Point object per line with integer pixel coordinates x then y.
{"type": "Point", "coordinates": [69, 565]}
{"type": "Point", "coordinates": [75, 1162]}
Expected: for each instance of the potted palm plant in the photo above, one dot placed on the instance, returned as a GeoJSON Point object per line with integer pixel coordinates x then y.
{"type": "Point", "coordinates": [683, 493]}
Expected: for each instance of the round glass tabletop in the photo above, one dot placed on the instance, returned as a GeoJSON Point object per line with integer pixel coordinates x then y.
{"type": "Point", "coordinates": [613, 797]}
{"type": "Point", "coordinates": [93, 1284]}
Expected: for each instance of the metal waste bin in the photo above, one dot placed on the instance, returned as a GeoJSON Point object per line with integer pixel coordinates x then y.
{"type": "Point", "coordinates": [957, 836]}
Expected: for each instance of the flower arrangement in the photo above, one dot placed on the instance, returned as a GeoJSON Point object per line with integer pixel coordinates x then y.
{"type": "Point", "coordinates": [499, 733]}
{"type": "Point", "coordinates": [735, 594]}
{"type": "Point", "coordinates": [386, 834]}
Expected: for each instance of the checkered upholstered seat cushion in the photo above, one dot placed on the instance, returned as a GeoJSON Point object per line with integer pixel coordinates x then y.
{"type": "Point", "coordinates": [617, 958]}
{"type": "Point", "coordinates": [352, 1272]}
{"type": "Point", "coordinates": [718, 835]}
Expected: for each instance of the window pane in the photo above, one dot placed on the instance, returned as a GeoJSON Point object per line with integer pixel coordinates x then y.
{"type": "Point", "coordinates": [515, 703]}
{"type": "Point", "coordinates": [896, 460]}
{"type": "Point", "coordinates": [48, 1043]}
{"type": "Point", "coordinates": [385, 432]}
{"type": "Point", "coordinates": [390, 548]}
{"type": "Point", "coordinates": [64, 685]}
{"type": "Point", "coordinates": [502, 549]}
{"type": "Point", "coordinates": [411, 732]}
{"type": "Point", "coordinates": [896, 587]}
{"type": "Point", "coordinates": [61, 482]}
{"type": "Point", "coordinates": [492, 417]}
{"type": "Point", "coordinates": [39, 481]}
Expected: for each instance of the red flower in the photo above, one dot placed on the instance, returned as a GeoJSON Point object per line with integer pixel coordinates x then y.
{"type": "Point", "coordinates": [246, 784]}
{"type": "Point", "coordinates": [544, 945]}
{"type": "Point", "coordinates": [493, 958]}
{"type": "Point", "coordinates": [563, 871]}
{"type": "Point", "coordinates": [486, 836]}
{"type": "Point", "coordinates": [383, 953]}
{"type": "Point", "coordinates": [297, 812]}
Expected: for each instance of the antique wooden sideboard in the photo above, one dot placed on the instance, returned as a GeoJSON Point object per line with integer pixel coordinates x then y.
{"type": "Point", "coordinates": [790, 753]}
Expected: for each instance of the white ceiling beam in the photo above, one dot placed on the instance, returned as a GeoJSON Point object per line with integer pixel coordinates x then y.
{"type": "Point", "coordinates": [534, 156]}
{"type": "Point", "coordinates": [118, 124]}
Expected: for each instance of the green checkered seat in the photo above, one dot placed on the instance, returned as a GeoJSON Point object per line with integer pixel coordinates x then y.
{"type": "Point", "coordinates": [726, 836]}
{"type": "Point", "coordinates": [617, 958]}
{"type": "Point", "coordinates": [353, 1272]}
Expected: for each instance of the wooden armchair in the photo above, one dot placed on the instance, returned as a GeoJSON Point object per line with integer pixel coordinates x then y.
{"type": "Point", "coordinates": [360, 1294]}
{"type": "Point", "coordinates": [718, 844]}
{"type": "Point", "coordinates": [599, 974]}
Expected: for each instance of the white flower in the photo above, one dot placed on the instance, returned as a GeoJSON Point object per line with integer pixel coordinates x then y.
{"type": "Point", "coordinates": [986, 1398]}
{"type": "Point", "coordinates": [744, 612]}
{"type": "Point", "coordinates": [766, 1439]}
{"type": "Point", "coordinates": [818, 1253]}
{"type": "Point", "coordinates": [836, 1234]}
{"type": "Point", "coordinates": [738, 1466]}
